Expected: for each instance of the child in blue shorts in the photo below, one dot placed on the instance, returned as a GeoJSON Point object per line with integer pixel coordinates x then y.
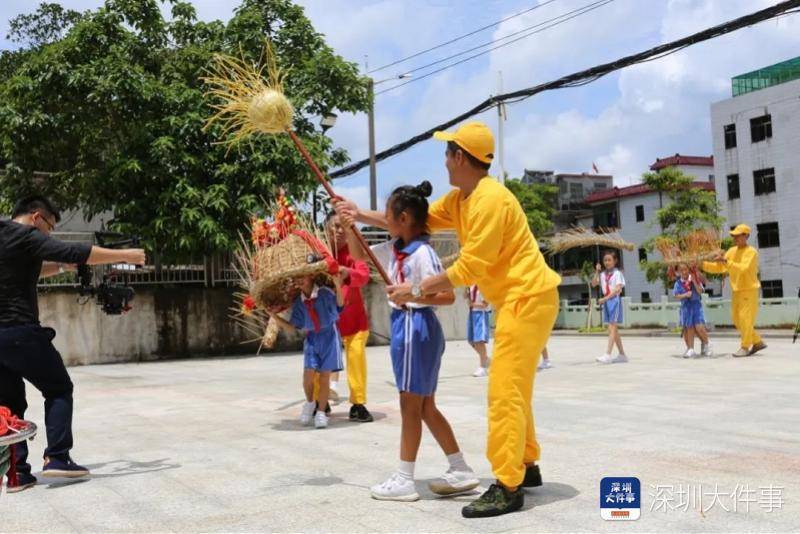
{"type": "Point", "coordinates": [315, 310]}
{"type": "Point", "coordinates": [478, 328]}
{"type": "Point", "coordinates": [417, 344]}
{"type": "Point", "coordinates": [611, 283]}
{"type": "Point", "coordinates": [689, 290]}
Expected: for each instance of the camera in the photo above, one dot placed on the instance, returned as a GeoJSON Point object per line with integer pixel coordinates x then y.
{"type": "Point", "coordinates": [112, 294]}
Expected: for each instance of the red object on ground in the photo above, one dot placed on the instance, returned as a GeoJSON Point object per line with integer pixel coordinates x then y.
{"type": "Point", "coordinates": [9, 421]}
{"type": "Point", "coordinates": [353, 318]}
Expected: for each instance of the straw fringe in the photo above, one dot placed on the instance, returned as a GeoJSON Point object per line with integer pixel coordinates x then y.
{"type": "Point", "coordinates": [583, 238]}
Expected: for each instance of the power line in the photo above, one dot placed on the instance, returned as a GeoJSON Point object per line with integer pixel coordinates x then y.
{"type": "Point", "coordinates": [561, 20]}
{"type": "Point", "coordinates": [460, 37]}
{"type": "Point", "coordinates": [586, 76]}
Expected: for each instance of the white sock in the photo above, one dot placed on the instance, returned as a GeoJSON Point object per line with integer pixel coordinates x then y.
{"type": "Point", "coordinates": [457, 462]}
{"type": "Point", "coordinates": [406, 470]}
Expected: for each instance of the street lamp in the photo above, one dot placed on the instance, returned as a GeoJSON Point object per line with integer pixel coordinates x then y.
{"type": "Point", "coordinates": [373, 186]}
{"type": "Point", "coordinates": [328, 122]}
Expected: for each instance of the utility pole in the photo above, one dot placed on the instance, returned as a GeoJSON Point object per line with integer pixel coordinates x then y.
{"type": "Point", "coordinates": [501, 117]}
{"type": "Point", "coordinates": [373, 179]}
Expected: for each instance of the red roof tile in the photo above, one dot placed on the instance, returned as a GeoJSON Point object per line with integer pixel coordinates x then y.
{"type": "Point", "coordinates": [633, 190]}
{"type": "Point", "coordinates": [677, 159]}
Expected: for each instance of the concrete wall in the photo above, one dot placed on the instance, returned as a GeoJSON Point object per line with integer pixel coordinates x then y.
{"type": "Point", "coordinates": [780, 151]}
{"type": "Point", "coordinates": [186, 321]}
{"type": "Point", "coordinates": [638, 232]}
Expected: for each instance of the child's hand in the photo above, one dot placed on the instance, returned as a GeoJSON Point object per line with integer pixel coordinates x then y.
{"type": "Point", "coordinates": [598, 268]}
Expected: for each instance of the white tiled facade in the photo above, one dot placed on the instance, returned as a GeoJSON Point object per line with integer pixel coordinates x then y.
{"type": "Point", "coordinates": [638, 232]}
{"type": "Point", "coordinates": [781, 152]}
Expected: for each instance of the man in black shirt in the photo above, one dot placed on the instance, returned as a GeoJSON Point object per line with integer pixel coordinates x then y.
{"type": "Point", "coordinates": [27, 252]}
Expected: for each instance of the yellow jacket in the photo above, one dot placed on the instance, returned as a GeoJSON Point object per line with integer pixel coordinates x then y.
{"type": "Point", "coordinates": [498, 250]}
{"type": "Point", "coordinates": [742, 266]}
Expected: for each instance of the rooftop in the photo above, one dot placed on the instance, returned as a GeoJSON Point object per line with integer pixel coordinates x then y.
{"type": "Point", "coordinates": [633, 190]}
{"type": "Point", "coordinates": [679, 159]}
{"type": "Point", "coordinates": [776, 74]}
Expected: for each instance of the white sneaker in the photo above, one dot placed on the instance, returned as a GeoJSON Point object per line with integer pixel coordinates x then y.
{"type": "Point", "coordinates": [544, 364]}
{"type": "Point", "coordinates": [480, 372]}
{"type": "Point", "coordinates": [620, 358]}
{"type": "Point", "coordinates": [453, 482]}
{"type": "Point", "coordinates": [395, 488]}
{"type": "Point", "coordinates": [689, 353]}
{"type": "Point", "coordinates": [307, 415]}
{"type": "Point", "coordinates": [321, 420]}
{"type": "Point", "coordinates": [605, 358]}
{"type": "Point", "coordinates": [707, 350]}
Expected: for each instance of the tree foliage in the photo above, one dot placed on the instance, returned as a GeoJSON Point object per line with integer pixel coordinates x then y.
{"type": "Point", "coordinates": [686, 208]}
{"type": "Point", "coordinates": [538, 201]}
{"type": "Point", "coordinates": [109, 103]}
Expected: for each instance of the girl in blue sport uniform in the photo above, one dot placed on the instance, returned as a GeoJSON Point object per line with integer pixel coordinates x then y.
{"type": "Point", "coordinates": [417, 345]}
{"type": "Point", "coordinates": [611, 283]}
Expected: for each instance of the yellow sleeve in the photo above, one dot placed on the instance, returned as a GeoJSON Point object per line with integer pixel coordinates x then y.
{"type": "Point", "coordinates": [439, 215]}
{"type": "Point", "coordinates": [748, 265]}
{"type": "Point", "coordinates": [482, 245]}
{"type": "Point", "coordinates": [714, 267]}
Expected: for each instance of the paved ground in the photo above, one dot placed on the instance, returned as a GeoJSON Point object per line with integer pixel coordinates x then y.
{"type": "Point", "coordinates": [212, 445]}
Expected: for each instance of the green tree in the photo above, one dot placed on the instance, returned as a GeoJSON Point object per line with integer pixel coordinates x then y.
{"type": "Point", "coordinates": [110, 104]}
{"type": "Point", "coordinates": [685, 208]}
{"type": "Point", "coordinates": [586, 274]}
{"type": "Point", "coordinates": [538, 202]}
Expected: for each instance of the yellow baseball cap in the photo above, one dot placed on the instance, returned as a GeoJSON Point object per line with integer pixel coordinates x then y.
{"type": "Point", "coordinates": [741, 229]}
{"type": "Point", "coordinates": [474, 137]}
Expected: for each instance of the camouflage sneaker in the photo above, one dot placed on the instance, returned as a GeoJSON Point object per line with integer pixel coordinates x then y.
{"type": "Point", "coordinates": [496, 501]}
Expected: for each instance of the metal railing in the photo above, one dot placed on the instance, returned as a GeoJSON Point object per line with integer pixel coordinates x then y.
{"type": "Point", "coordinates": [208, 271]}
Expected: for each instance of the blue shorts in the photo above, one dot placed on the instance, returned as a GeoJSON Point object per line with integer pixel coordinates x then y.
{"type": "Point", "coordinates": [692, 313]}
{"type": "Point", "coordinates": [478, 326]}
{"type": "Point", "coordinates": [612, 311]}
{"type": "Point", "coordinates": [322, 351]}
{"type": "Point", "coordinates": [417, 347]}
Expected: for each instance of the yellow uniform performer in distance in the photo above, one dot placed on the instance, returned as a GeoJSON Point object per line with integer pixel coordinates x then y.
{"type": "Point", "coordinates": [740, 262]}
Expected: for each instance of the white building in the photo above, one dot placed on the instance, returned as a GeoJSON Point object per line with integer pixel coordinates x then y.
{"type": "Point", "coordinates": [756, 136]}
{"type": "Point", "coordinates": [632, 210]}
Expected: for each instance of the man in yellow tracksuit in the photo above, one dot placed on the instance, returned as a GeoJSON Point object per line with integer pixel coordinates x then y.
{"type": "Point", "coordinates": [740, 262]}
{"type": "Point", "coordinates": [499, 254]}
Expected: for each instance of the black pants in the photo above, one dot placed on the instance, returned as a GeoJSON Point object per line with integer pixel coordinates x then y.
{"type": "Point", "coordinates": [27, 352]}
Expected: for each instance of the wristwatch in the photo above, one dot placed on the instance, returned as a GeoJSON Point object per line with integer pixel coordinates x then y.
{"type": "Point", "coordinates": [416, 291]}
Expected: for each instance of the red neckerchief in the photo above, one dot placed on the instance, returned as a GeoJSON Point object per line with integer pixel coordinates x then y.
{"type": "Point", "coordinates": [608, 282]}
{"type": "Point", "coordinates": [312, 312]}
{"type": "Point", "coordinates": [473, 294]}
{"type": "Point", "coordinates": [400, 257]}
{"type": "Point", "coordinates": [687, 285]}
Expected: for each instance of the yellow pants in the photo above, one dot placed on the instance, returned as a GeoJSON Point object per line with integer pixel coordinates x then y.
{"type": "Point", "coordinates": [523, 328]}
{"type": "Point", "coordinates": [355, 348]}
{"type": "Point", "coordinates": [744, 311]}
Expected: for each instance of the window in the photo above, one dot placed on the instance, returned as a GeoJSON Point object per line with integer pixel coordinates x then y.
{"type": "Point", "coordinates": [600, 185]}
{"type": "Point", "coordinates": [562, 188]}
{"type": "Point", "coordinates": [761, 128]}
{"type": "Point", "coordinates": [730, 136]}
{"type": "Point", "coordinates": [646, 297]}
{"type": "Point", "coordinates": [639, 213]}
{"type": "Point", "coordinates": [642, 255]}
{"type": "Point", "coordinates": [772, 289]}
{"type": "Point", "coordinates": [764, 181]}
{"type": "Point", "coordinates": [768, 235]}
{"type": "Point", "coordinates": [576, 190]}
{"type": "Point", "coordinates": [711, 178]}
{"type": "Point", "coordinates": [605, 217]}
{"type": "Point", "coordinates": [733, 186]}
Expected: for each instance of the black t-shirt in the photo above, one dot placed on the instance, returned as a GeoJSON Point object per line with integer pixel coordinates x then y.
{"type": "Point", "coordinates": [23, 248]}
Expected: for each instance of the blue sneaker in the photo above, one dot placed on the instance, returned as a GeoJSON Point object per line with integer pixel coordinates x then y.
{"type": "Point", "coordinates": [63, 468]}
{"type": "Point", "coordinates": [24, 481]}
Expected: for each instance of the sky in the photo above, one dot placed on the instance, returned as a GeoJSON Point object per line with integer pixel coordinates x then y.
{"type": "Point", "coordinates": [621, 123]}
